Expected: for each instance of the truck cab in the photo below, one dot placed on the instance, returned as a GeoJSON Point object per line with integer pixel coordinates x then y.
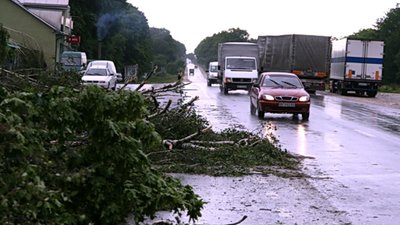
{"type": "Point", "coordinates": [238, 65]}
{"type": "Point", "coordinates": [239, 74]}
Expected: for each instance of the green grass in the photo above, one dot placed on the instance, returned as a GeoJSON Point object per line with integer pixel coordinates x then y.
{"type": "Point", "coordinates": [157, 79]}
{"type": "Point", "coordinates": [394, 88]}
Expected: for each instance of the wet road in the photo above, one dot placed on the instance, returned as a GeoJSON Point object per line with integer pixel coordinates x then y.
{"type": "Point", "coordinates": [355, 146]}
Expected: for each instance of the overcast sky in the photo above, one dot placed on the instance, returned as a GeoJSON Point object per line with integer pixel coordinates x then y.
{"type": "Point", "coordinates": [190, 21]}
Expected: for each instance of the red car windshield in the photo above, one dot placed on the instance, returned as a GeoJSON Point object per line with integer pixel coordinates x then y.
{"type": "Point", "coordinates": [282, 81]}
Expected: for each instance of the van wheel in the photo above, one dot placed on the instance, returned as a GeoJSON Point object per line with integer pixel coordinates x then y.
{"type": "Point", "coordinates": [208, 83]}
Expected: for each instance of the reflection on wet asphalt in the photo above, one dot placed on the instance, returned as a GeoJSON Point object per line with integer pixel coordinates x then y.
{"type": "Point", "coordinates": [355, 144]}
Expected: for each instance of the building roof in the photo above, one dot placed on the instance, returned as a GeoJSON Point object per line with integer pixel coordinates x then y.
{"type": "Point", "coordinates": [46, 4]}
{"type": "Point", "coordinates": [18, 3]}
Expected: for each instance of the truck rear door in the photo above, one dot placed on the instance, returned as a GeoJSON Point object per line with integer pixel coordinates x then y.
{"type": "Point", "coordinates": [355, 59]}
{"type": "Point", "coordinates": [364, 60]}
{"type": "Point", "coordinates": [373, 60]}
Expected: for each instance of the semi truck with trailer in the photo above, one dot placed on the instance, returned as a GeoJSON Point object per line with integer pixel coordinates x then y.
{"type": "Point", "coordinates": [237, 65]}
{"type": "Point", "coordinates": [356, 66]}
{"type": "Point", "coordinates": [307, 56]}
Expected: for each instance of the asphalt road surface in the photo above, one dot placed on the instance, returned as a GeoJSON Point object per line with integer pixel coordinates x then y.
{"type": "Point", "coordinates": [353, 144]}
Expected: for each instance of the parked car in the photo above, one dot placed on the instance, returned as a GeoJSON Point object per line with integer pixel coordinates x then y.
{"type": "Point", "coordinates": [278, 92]}
{"type": "Point", "coordinates": [107, 64]}
{"type": "Point", "coordinates": [100, 76]}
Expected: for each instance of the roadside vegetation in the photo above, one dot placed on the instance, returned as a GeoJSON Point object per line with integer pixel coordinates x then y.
{"type": "Point", "coordinates": [84, 155]}
{"type": "Point", "coordinates": [390, 88]}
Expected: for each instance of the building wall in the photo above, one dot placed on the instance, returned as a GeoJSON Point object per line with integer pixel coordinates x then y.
{"type": "Point", "coordinates": [29, 31]}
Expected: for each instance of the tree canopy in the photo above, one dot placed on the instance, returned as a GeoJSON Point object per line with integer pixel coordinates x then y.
{"type": "Point", "coordinates": [125, 36]}
{"type": "Point", "coordinates": [207, 50]}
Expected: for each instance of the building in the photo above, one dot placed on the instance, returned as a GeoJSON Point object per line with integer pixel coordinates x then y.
{"type": "Point", "coordinates": [40, 25]}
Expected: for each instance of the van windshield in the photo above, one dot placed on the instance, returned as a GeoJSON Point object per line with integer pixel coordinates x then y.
{"type": "Point", "coordinates": [213, 68]}
{"type": "Point", "coordinates": [238, 63]}
{"type": "Point", "coordinates": [71, 60]}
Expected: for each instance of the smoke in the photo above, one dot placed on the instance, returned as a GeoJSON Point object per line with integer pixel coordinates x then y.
{"type": "Point", "coordinates": [104, 24]}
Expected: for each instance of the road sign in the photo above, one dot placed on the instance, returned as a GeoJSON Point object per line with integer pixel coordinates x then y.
{"type": "Point", "coordinates": [74, 39]}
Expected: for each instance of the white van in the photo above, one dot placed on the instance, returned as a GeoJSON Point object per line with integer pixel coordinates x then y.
{"type": "Point", "coordinates": [212, 73]}
{"type": "Point", "coordinates": [106, 64]}
{"type": "Point", "coordinates": [73, 61]}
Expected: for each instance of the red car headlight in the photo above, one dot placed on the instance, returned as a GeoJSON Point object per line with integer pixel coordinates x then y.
{"type": "Point", "coordinates": [268, 97]}
{"type": "Point", "coordinates": [304, 98]}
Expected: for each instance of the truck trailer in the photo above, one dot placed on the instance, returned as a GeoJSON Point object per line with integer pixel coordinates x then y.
{"type": "Point", "coordinates": [356, 66]}
{"type": "Point", "coordinates": [237, 65]}
{"type": "Point", "coordinates": [307, 56]}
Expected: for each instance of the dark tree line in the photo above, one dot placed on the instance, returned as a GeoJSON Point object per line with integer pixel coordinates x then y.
{"type": "Point", "coordinates": [125, 36]}
{"type": "Point", "coordinates": [207, 50]}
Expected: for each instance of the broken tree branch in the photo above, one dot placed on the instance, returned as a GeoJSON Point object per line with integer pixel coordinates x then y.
{"type": "Point", "coordinates": [147, 77]}
{"type": "Point", "coordinates": [170, 144]}
{"type": "Point", "coordinates": [162, 111]}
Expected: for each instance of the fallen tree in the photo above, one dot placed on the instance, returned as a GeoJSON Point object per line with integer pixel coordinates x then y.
{"type": "Point", "coordinates": [95, 156]}
{"type": "Point", "coordinates": [75, 155]}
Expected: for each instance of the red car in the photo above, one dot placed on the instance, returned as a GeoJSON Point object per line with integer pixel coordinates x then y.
{"type": "Point", "coordinates": [278, 92]}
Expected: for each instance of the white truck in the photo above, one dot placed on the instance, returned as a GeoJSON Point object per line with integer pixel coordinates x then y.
{"type": "Point", "coordinates": [212, 73]}
{"type": "Point", "coordinates": [73, 61]}
{"type": "Point", "coordinates": [237, 65]}
{"type": "Point", "coordinates": [356, 66]}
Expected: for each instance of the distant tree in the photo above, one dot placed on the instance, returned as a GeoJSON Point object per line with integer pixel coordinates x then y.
{"type": "Point", "coordinates": [389, 30]}
{"type": "Point", "coordinates": [169, 54]}
{"type": "Point", "coordinates": [122, 29]}
{"type": "Point", "coordinates": [207, 50]}
{"type": "Point", "coordinates": [367, 34]}
{"type": "Point", "coordinates": [84, 14]}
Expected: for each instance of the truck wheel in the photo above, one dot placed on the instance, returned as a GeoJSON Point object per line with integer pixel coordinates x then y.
{"type": "Point", "coordinates": [305, 116]}
{"type": "Point", "coordinates": [372, 94]}
{"type": "Point", "coordinates": [225, 89]}
{"type": "Point", "coordinates": [208, 83]}
{"type": "Point", "coordinates": [334, 87]}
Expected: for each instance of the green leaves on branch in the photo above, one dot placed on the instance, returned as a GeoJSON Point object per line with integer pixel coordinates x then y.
{"type": "Point", "coordinates": [70, 157]}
